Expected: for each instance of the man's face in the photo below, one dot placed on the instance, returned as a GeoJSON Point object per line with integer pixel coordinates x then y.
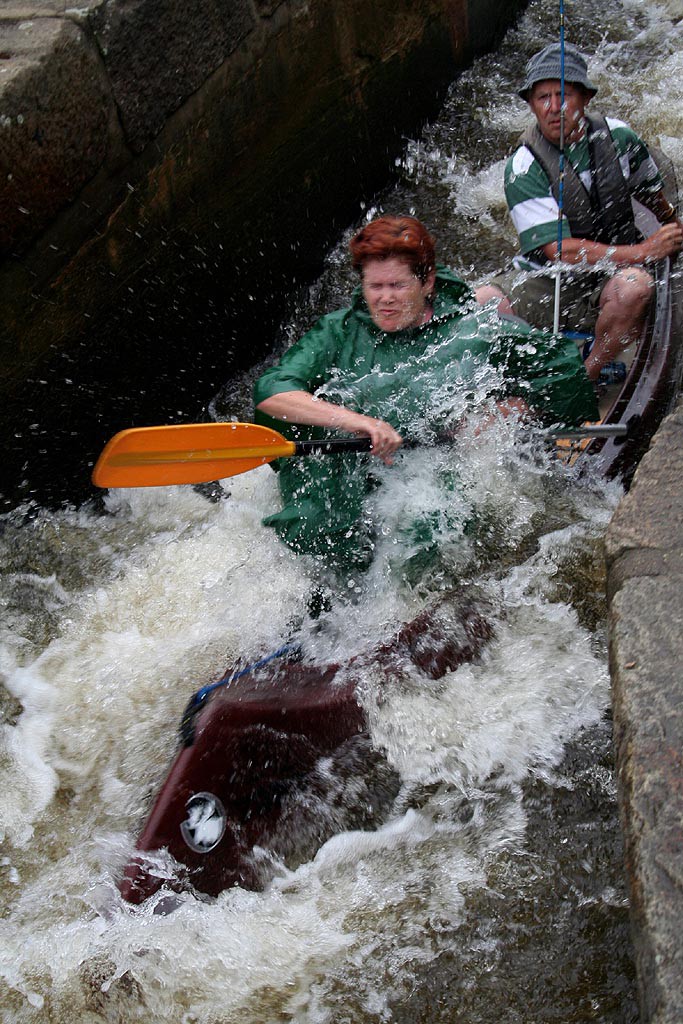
{"type": "Point", "coordinates": [396, 298]}
{"type": "Point", "coordinates": [545, 100]}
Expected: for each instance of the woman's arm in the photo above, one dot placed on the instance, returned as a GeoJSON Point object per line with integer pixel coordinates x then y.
{"type": "Point", "coordinates": [302, 407]}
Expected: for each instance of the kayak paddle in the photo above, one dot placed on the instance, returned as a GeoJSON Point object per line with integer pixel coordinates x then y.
{"type": "Point", "coordinates": [193, 453]}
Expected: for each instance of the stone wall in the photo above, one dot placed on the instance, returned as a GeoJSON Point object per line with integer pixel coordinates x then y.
{"type": "Point", "coordinates": [170, 168]}
{"type": "Point", "coordinates": [645, 590]}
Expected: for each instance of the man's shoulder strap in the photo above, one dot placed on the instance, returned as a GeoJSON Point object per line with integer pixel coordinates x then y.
{"type": "Point", "coordinates": [596, 122]}
{"type": "Point", "coordinates": [576, 200]}
{"type": "Point", "coordinates": [610, 194]}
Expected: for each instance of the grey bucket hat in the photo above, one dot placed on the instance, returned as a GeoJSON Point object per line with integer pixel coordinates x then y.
{"type": "Point", "coordinates": [547, 64]}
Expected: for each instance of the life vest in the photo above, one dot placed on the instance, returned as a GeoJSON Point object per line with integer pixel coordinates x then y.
{"type": "Point", "coordinates": [605, 214]}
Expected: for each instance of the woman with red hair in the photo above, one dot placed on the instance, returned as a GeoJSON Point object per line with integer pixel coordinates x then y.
{"type": "Point", "coordinates": [396, 261]}
{"type": "Point", "coordinates": [402, 238]}
{"type": "Point", "coordinates": [371, 370]}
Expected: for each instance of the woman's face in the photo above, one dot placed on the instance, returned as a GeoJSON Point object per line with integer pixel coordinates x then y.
{"type": "Point", "coordinates": [396, 298]}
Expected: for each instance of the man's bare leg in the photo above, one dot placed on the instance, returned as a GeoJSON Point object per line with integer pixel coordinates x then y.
{"type": "Point", "coordinates": [489, 293]}
{"type": "Point", "coordinates": [623, 307]}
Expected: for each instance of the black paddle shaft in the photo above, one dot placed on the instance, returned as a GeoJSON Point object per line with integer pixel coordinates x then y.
{"type": "Point", "coordinates": [363, 444]}
{"type": "Point", "coordinates": [334, 445]}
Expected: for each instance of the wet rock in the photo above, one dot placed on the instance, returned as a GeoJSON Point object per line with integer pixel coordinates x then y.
{"type": "Point", "coordinates": [645, 575]}
{"type": "Point", "coordinates": [53, 125]}
{"type": "Point", "coordinates": [158, 52]}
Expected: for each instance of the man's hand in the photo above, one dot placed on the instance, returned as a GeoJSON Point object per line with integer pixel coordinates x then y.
{"type": "Point", "coordinates": [667, 241]}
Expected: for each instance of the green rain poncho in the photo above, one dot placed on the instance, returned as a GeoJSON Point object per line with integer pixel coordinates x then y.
{"type": "Point", "coordinates": [419, 380]}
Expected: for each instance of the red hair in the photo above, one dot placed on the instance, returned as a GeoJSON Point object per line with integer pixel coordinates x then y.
{"type": "Point", "coordinates": [404, 238]}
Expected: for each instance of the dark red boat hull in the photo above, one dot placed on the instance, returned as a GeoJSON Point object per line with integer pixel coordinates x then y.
{"type": "Point", "coordinates": [251, 744]}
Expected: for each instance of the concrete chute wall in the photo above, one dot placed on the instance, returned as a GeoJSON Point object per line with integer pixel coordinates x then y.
{"type": "Point", "coordinates": [165, 162]}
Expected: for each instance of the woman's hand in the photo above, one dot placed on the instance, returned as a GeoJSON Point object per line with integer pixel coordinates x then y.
{"type": "Point", "coordinates": [385, 440]}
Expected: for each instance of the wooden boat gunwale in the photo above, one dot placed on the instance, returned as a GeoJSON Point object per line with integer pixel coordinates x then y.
{"type": "Point", "coordinates": [652, 381]}
{"type": "Point", "coordinates": [655, 371]}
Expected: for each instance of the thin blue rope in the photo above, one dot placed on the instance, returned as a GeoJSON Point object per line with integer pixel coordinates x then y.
{"type": "Point", "coordinates": [561, 183]}
{"type": "Point", "coordinates": [560, 191]}
{"type": "Point", "coordinates": [202, 694]}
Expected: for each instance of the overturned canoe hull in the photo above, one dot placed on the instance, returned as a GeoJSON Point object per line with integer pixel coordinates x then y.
{"type": "Point", "coordinates": [250, 743]}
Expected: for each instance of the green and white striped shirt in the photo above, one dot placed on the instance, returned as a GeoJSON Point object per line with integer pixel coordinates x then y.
{"type": "Point", "coordinates": [532, 205]}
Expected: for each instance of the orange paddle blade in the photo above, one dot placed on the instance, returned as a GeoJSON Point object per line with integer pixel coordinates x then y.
{"type": "Point", "coordinates": [189, 453]}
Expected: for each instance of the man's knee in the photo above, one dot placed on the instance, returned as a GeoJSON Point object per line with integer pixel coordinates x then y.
{"type": "Point", "coordinates": [492, 293]}
{"type": "Point", "coordinates": [631, 288]}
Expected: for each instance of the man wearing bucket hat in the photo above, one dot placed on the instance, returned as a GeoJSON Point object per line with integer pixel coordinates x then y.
{"type": "Point", "coordinates": [606, 289]}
